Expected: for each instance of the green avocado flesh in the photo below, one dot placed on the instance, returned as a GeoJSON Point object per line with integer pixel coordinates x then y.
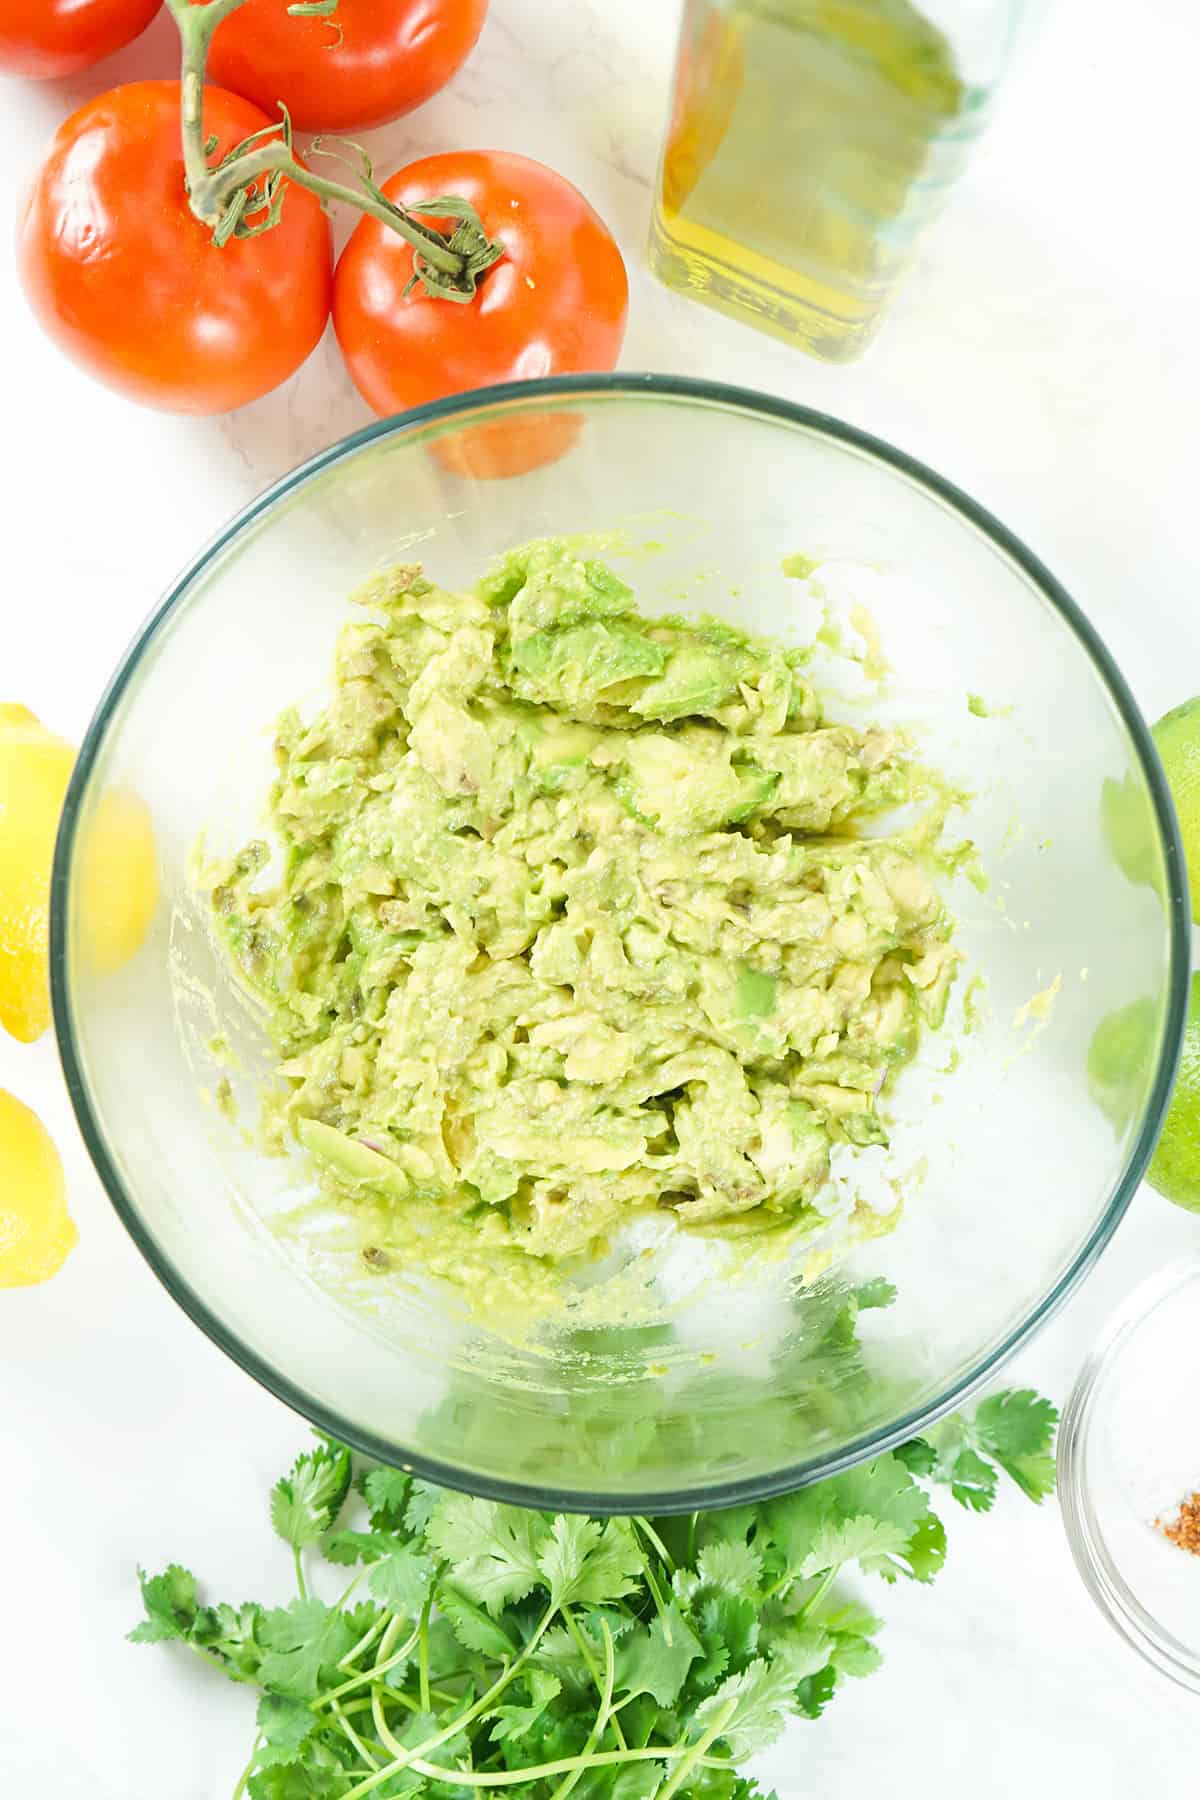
{"type": "Point", "coordinates": [570, 916]}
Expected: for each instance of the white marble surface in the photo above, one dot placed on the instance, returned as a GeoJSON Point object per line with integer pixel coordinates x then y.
{"type": "Point", "coordinates": [1046, 357]}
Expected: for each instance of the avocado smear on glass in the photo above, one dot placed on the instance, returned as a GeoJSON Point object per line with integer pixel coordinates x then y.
{"type": "Point", "coordinates": [571, 914]}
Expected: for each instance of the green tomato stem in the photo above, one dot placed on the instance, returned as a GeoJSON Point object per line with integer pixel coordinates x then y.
{"type": "Point", "coordinates": [445, 272]}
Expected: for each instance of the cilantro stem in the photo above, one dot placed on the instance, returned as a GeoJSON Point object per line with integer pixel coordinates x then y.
{"type": "Point", "coordinates": [653, 1584]}
{"type": "Point", "coordinates": [482, 1705]}
{"type": "Point", "coordinates": [644, 1526]}
{"type": "Point", "coordinates": [367, 1638]}
{"type": "Point", "coordinates": [387, 1736]}
{"type": "Point", "coordinates": [819, 1592]}
{"type": "Point", "coordinates": [696, 1753]}
{"type": "Point", "coordinates": [777, 1587]}
{"type": "Point", "coordinates": [600, 1724]}
{"type": "Point", "coordinates": [349, 1731]}
{"type": "Point", "coordinates": [225, 1668]}
{"type": "Point", "coordinates": [377, 1670]}
{"type": "Point", "coordinates": [599, 1759]}
{"type": "Point", "coordinates": [585, 1651]}
{"type": "Point", "coordinates": [345, 1595]}
{"type": "Point", "coordinates": [246, 1773]}
{"type": "Point", "coordinates": [300, 1581]}
{"type": "Point", "coordinates": [423, 1653]}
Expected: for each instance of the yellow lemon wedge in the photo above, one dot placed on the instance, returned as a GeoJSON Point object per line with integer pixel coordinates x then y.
{"type": "Point", "coordinates": [118, 870]}
{"type": "Point", "coordinates": [37, 1233]}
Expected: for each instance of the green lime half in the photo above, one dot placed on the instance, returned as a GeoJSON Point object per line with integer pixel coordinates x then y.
{"type": "Point", "coordinates": [1175, 1166]}
{"type": "Point", "coordinates": [1118, 1065]}
{"type": "Point", "coordinates": [1177, 736]}
{"type": "Point", "coordinates": [1126, 810]}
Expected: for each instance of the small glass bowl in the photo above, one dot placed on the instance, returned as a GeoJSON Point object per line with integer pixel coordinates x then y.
{"type": "Point", "coordinates": [1129, 1455]}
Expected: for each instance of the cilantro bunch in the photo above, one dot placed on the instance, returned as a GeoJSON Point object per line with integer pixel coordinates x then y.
{"type": "Point", "coordinates": [480, 1648]}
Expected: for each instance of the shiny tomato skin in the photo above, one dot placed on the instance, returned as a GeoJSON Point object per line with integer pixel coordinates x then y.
{"type": "Point", "coordinates": [129, 283]}
{"type": "Point", "coordinates": [44, 39]}
{"type": "Point", "coordinates": [391, 56]}
{"type": "Point", "coordinates": [555, 304]}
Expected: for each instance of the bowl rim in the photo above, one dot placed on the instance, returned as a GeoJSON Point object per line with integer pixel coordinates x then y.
{"type": "Point", "coordinates": [1101, 1575]}
{"type": "Point", "coordinates": [710, 394]}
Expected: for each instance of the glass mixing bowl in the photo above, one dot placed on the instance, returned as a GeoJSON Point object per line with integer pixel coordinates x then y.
{"type": "Point", "coordinates": [721, 1387]}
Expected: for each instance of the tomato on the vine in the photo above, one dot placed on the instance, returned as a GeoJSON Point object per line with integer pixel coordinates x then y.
{"type": "Point", "coordinates": [130, 283]}
{"type": "Point", "coordinates": [363, 64]}
{"type": "Point", "coordinates": [555, 304]}
{"type": "Point", "coordinates": [48, 38]}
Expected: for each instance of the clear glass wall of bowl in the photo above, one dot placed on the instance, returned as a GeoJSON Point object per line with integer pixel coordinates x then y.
{"type": "Point", "coordinates": [1010, 1173]}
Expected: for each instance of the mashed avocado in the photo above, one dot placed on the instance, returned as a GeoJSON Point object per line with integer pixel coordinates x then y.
{"type": "Point", "coordinates": [570, 914]}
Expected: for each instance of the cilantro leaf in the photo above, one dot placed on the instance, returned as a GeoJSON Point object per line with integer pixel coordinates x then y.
{"type": "Point", "coordinates": [874, 1514]}
{"type": "Point", "coordinates": [346, 1547]}
{"type": "Point", "coordinates": [497, 1549]}
{"type": "Point", "coordinates": [1016, 1422]}
{"type": "Point", "coordinates": [1014, 1429]}
{"type": "Point", "coordinates": [302, 1643]}
{"type": "Point", "coordinates": [423, 1499]}
{"type": "Point", "coordinates": [399, 1576]}
{"type": "Point", "coordinates": [971, 1481]}
{"type": "Point", "coordinates": [761, 1697]}
{"type": "Point", "coordinates": [472, 1626]}
{"type": "Point", "coordinates": [637, 1781]}
{"type": "Point", "coordinates": [918, 1456]}
{"type": "Point", "coordinates": [729, 1627]}
{"type": "Point", "coordinates": [655, 1659]}
{"type": "Point", "coordinates": [231, 1632]}
{"type": "Point", "coordinates": [815, 1691]}
{"type": "Point", "coordinates": [735, 1566]}
{"type": "Point", "coordinates": [296, 1781]}
{"type": "Point", "coordinates": [1017, 1429]}
{"type": "Point", "coordinates": [306, 1501]}
{"type": "Point", "coordinates": [878, 1292]}
{"type": "Point", "coordinates": [286, 1726]}
{"type": "Point", "coordinates": [387, 1493]}
{"type": "Point", "coordinates": [586, 1562]}
{"type": "Point", "coordinates": [516, 1722]}
{"type": "Point", "coordinates": [401, 1580]}
{"type": "Point", "coordinates": [855, 1656]}
{"type": "Point", "coordinates": [171, 1607]}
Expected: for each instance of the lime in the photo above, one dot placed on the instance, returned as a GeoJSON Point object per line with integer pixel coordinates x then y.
{"type": "Point", "coordinates": [1118, 1063]}
{"type": "Point", "coordinates": [1174, 1168]}
{"type": "Point", "coordinates": [1177, 738]}
{"type": "Point", "coordinates": [1126, 811]}
{"type": "Point", "coordinates": [1118, 1067]}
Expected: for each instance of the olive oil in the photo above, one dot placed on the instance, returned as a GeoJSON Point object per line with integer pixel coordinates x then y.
{"type": "Point", "coordinates": [810, 143]}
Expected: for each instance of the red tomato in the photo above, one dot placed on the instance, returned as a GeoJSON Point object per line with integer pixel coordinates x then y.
{"type": "Point", "coordinates": [44, 38]}
{"type": "Point", "coordinates": [130, 284]}
{"type": "Point", "coordinates": [555, 304]}
{"type": "Point", "coordinates": [391, 55]}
